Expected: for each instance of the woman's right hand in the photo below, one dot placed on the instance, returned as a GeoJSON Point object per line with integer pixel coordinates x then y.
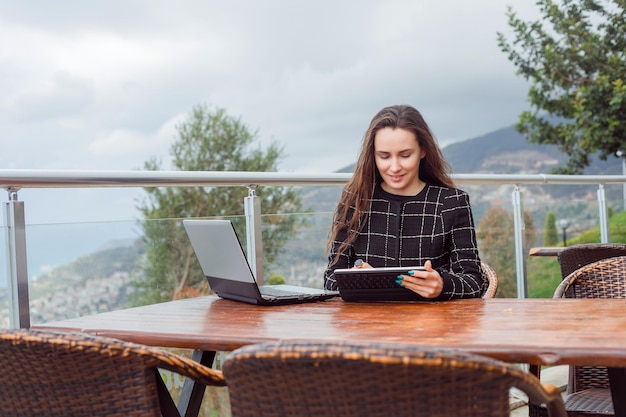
{"type": "Point", "coordinates": [360, 263]}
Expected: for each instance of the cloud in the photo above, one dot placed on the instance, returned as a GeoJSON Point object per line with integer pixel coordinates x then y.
{"type": "Point", "coordinates": [129, 145]}
{"type": "Point", "coordinates": [102, 85]}
{"type": "Point", "coordinates": [59, 97]}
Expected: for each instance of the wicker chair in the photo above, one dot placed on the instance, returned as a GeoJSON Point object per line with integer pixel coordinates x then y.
{"type": "Point", "coordinates": [588, 386]}
{"type": "Point", "coordinates": [573, 257]}
{"type": "Point", "coordinates": [588, 391]}
{"type": "Point", "coordinates": [491, 276]}
{"type": "Point", "coordinates": [373, 380]}
{"type": "Point", "coordinates": [59, 374]}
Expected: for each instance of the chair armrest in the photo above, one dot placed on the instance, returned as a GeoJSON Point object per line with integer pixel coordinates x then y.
{"type": "Point", "coordinates": [547, 394]}
{"type": "Point", "coordinates": [189, 368]}
{"type": "Point", "coordinates": [564, 285]}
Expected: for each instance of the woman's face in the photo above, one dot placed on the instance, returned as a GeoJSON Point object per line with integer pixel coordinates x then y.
{"type": "Point", "coordinates": [398, 155]}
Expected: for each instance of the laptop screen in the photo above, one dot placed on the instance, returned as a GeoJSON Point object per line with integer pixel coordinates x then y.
{"type": "Point", "coordinates": [218, 250]}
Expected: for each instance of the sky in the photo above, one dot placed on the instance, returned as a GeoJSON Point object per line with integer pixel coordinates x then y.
{"type": "Point", "coordinates": [103, 84]}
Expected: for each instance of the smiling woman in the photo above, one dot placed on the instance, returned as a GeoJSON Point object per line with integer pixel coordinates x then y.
{"type": "Point", "coordinates": [400, 208]}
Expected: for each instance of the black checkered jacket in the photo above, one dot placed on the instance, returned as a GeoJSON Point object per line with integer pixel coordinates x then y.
{"type": "Point", "coordinates": [435, 225]}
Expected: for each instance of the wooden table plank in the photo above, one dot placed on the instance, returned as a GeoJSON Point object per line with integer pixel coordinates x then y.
{"type": "Point", "coordinates": [545, 251]}
{"type": "Point", "coordinates": [541, 331]}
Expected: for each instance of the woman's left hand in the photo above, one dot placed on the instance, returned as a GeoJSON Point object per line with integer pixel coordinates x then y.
{"type": "Point", "coordinates": [428, 283]}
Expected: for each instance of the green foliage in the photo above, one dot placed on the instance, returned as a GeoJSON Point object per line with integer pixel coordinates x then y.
{"type": "Point", "coordinates": [543, 275]}
{"type": "Point", "coordinates": [576, 64]}
{"type": "Point", "coordinates": [209, 140]}
{"type": "Point", "coordinates": [275, 279]}
{"type": "Point", "coordinates": [495, 234]}
{"type": "Point", "coordinates": [550, 233]}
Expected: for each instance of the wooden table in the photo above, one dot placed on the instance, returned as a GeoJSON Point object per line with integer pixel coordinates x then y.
{"type": "Point", "coordinates": [546, 251]}
{"type": "Point", "coordinates": [535, 331]}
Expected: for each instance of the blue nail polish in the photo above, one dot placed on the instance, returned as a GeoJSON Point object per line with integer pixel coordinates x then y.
{"type": "Point", "coordinates": [399, 282]}
{"type": "Point", "coordinates": [411, 272]}
{"type": "Point", "coordinates": [400, 278]}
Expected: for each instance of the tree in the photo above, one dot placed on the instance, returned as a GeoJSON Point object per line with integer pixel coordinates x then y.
{"type": "Point", "coordinates": [208, 140]}
{"type": "Point", "coordinates": [577, 67]}
{"type": "Point", "coordinates": [495, 234]}
{"type": "Point", "coordinates": [550, 233]}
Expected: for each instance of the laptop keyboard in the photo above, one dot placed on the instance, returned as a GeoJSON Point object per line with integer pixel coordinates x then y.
{"type": "Point", "coordinates": [275, 292]}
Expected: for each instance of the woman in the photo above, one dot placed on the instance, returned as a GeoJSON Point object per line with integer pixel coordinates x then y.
{"type": "Point", "coordinates": [400, 208]}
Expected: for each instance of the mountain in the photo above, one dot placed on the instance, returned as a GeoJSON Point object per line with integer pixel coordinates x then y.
{"type": "Point", "coordinates": [506, 151]}
{"type": "Point", "coordinates": [492, 152]}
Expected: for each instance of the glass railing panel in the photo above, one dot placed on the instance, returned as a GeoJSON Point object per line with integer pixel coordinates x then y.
{"type": "Point", "coordinates": [303, 258]}
{"type": "Point", "coordinates": [617, 224]}
{"type": "Point", "coordinates": [576, 221]}
{"type": "Point", "coordinates": [57, 292]}
{"type": "Point", "coordinates": [496, 244]}
{"type": "Point", "coordinates": [580, 214]}
{"type": "Point", "coordinates": [4, 280]}
{"type": "Point", "coordinates": [87, 268]}
{"type": "Point", "coordinates": [78, 269]}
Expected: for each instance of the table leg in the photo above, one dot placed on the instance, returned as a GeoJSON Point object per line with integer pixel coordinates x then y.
{"type": "Point", "coordinates": [617, 381]}
{"type": "Point", "coordinates": [192, 392]}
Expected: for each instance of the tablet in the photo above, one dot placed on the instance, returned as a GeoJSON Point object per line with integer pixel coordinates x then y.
{"type": "Point", "coordinates": [393, 270]}
{"type": "Point", "coordinates": [375, 284]}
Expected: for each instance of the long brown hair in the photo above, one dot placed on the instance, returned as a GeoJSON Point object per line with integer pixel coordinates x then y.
{"type": "Point", "coordinates": [358, 192]}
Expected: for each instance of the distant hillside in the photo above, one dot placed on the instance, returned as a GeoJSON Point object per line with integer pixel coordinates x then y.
{"type": "Point", "coordinates": [496, 151]}
{"type": "Point", "coordinates": [472, 155]}
{"type": "Point", "coordinates": [115, 257]}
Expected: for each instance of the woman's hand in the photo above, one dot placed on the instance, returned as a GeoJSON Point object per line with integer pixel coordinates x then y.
{"type": "Point", "coordinates": [428, 283]}
{"type": "Point", "coordinates": [360, 263]}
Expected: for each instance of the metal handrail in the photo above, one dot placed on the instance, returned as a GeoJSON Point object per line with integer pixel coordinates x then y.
{"type": "Point", "coordinates": [15, 180]}
{"type": "Point", "coordinates": [28, 178]}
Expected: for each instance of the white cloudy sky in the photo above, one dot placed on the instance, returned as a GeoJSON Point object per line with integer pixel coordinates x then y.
{"type": "Point", "coordinates": [102, 84]}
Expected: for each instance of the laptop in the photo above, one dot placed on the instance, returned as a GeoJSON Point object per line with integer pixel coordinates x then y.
{"type": "Point", "coordinates": [375, 284]}
{"type": "Point", "coordinates": [226, 268]}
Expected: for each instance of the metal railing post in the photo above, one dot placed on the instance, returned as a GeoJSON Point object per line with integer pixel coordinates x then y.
{"type": "Point", "coordinates": [622, 155]}
{"type": "Point", "coordinates": [624, 185]}
{"type": "Point", "coordinates": [518, 225]}
{"type": "Point", "coordinates": [254, 241]}
{"type": "Point", "coordinates": [603, 216]}
{"type": "Point", "coordinates": [19, 308]}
